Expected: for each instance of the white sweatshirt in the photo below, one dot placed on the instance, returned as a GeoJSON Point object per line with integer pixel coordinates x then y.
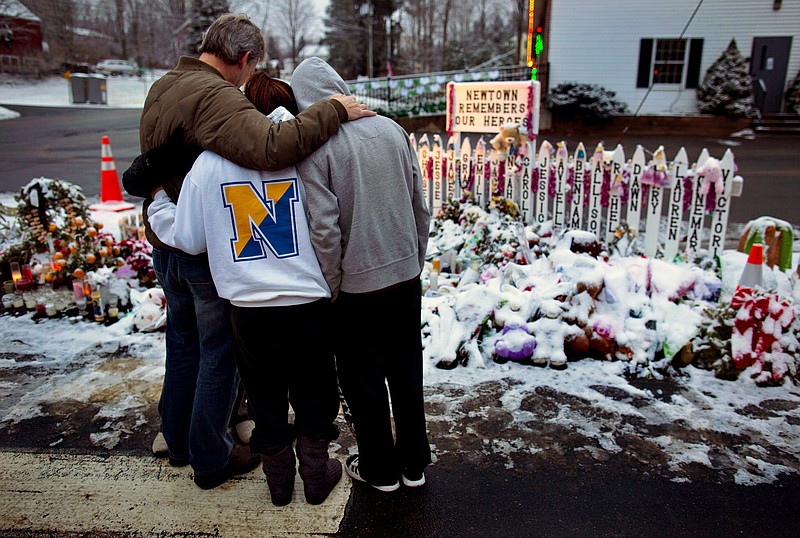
{"type": "Point", "coordinates": [253, 226]}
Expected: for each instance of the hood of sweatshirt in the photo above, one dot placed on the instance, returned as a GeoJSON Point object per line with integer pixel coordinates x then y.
{"type": "Point", "coordinates": [314, 80]}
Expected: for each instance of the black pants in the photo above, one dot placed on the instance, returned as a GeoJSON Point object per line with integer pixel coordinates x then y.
{"type": "Point", "coordinates": [284, 355]}
{"type": "Point", "coordinates": [378, 342]}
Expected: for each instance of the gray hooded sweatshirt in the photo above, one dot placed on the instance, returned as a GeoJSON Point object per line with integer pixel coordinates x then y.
{"type": "Point", "coordinates": [368, 220]}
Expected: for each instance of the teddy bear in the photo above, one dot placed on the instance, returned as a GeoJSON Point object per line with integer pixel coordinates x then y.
{"type": "Point", "coordinates": [712, 176]}
{"type": "Point", "coordinates": [509, 140]}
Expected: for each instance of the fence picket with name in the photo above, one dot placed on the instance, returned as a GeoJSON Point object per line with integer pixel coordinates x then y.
{"type": "Point", "coordinates": [665, 203]}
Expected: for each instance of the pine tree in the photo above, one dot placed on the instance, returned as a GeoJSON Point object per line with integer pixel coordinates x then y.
{"type": "Point", "coordinates": [727, 88]}
{"type": "Point", "coordinates": [793, 95]}
{"type": "Point", "coordinates": [204, 12]}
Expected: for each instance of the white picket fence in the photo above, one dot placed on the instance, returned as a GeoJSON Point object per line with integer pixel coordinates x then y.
{"type": "Point", "coordinates": [674, 206]}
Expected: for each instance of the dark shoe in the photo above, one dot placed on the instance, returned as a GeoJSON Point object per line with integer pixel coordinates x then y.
{"type": "Point", "coordinates": [178, 462]}
{"type": "Point", "coordinates": [413, 479]}
{"type": "Point", "coordinates": [319, 472]}
{"type": "Point", "coordinates": [352, 469]}
{"type": "Point", "coordinates": [280, 469]}
{"type": "Point", "coordinates": [241, 461]}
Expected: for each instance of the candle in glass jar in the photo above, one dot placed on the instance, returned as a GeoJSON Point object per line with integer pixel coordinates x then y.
{"type": "Point", "coordinates": [77, 290]}
{"type": "Point", "coordinates": [16, 274]}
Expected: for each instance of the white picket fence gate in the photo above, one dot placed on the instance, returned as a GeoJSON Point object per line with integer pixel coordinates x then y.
{"type": "Point", "coordinates": [673, 205]}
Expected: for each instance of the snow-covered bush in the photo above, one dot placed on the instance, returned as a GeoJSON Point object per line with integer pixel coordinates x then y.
{"type": "Point", "coordinates": [727, 88]}
{"type": "Point", "coordinates": [793, 95]}
{"type": "Point", "coordinates": [589, 102]}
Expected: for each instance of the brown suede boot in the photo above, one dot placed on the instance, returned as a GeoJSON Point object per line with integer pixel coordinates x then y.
{"type": "Point", "coordinates": [319, 472]}
{"type": "Point", "coordinates": [279, 469]}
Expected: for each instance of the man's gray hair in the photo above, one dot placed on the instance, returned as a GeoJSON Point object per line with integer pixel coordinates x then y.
{"type": "Point", "coordinates": [231, 36]}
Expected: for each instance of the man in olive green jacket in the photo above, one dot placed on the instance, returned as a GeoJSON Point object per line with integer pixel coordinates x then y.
{"type": "Point", "coordinates": [199, 102]}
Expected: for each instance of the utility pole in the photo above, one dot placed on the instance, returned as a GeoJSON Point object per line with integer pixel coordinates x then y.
{"type": "Point", "coordinates": [368, 11]}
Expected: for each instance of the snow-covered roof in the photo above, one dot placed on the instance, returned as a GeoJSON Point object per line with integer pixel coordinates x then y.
{"type": "Point", "coordinates": [13, 8]}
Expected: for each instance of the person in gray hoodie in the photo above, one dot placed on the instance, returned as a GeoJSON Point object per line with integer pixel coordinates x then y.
{"type": "Point", "coordinates": [369, 226]}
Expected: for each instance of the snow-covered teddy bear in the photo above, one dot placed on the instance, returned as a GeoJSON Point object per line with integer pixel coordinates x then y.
{"type": "Point", "coordinates": [510, 138]}
{"type": "Point", "coordinates": [150, 309]}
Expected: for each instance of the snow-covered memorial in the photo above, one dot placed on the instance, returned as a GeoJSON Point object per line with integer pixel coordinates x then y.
{"type": "Point", "coordinates": [544, 254]}
{"type": "Point", "coordinates": [539, 254]}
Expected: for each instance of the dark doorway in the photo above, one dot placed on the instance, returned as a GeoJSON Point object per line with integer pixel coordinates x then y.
{"type": "Point", "coordinates": [768, 65]}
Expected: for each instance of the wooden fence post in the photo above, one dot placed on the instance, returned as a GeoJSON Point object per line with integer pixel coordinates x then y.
{"type": "Point", "coordinates": [675, 206]}
{"type": "Point", "coordinates": [719, 222]}
{"type": "Point", "coordinates": [697, 210]}
{"type": "Point", "coordinates": [617, 182]}
{"type": "Point", "coordinates": [437, 181]}
{"type": "Point", "coordinates": [543, 161]}
{"type": "Point", "coordinates": [578, 194]}
{"type": "Point", "coordinates": [635, 190]}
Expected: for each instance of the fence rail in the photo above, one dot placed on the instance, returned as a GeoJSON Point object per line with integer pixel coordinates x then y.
{"type": "Point", "coordinates": [424, 94]}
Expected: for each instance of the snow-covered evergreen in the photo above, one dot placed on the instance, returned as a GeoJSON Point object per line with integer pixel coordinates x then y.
{"type": "Point", "coordinates": [727, 88]}
{"type": "Point", "coordinates": [793, 95]}
{"type": "Point", "coordinates": [204, 12]}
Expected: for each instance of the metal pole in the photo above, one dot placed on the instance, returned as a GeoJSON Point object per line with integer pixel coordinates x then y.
{"type": "Point", "coordinates": [369, 22]}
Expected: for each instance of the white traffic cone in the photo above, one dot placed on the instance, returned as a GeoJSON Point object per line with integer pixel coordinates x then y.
{"type": "Point", "coordinates": [752, 275]}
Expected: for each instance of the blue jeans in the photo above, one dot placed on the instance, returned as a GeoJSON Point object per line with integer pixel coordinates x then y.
{"type": "Point", "coordinates": [200, 380]}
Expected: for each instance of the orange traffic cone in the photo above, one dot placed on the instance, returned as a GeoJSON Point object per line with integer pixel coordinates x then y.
{"type": "Point", "coordinates": [752, 275]}
{"type": "Point", "coordinates": [110, 190]}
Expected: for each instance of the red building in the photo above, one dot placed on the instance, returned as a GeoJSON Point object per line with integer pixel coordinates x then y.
{"type": "Point", "coordinates": [20, 38]}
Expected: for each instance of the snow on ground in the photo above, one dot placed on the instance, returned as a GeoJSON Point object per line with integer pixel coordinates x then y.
{"type": "Point", "coordinates": [122, 92]}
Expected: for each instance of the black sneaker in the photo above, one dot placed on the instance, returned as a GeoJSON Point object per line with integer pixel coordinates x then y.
{"type": "Point", "coordinates": [413, 479]}
{"type": "Point", "coordinates": [351, 466]}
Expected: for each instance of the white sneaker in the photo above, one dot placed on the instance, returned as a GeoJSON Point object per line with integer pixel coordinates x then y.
{"type": "Point", "coordinates": [244, 430]}
{"type": "Point", "coordinates": [160, 448]}
{"type": "Point", "coordinates": [351, 466]}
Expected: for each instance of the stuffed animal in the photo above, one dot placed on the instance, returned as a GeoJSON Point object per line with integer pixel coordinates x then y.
{"type": "Point", "coordinates": [712, 175]}
{"type": "Point", "coordinates": [656, 173]}
{"type": "Point", "coordinates": [509, 140]}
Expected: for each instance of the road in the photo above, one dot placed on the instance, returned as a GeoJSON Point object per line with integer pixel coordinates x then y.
{"type": "Point", "coordinates": [64, 143]}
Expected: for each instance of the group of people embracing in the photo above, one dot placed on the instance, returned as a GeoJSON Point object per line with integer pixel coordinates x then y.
{"type": "Point", "coordinates": [289, 231]}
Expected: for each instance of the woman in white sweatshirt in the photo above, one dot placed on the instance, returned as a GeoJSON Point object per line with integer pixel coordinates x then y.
{"type": "Point", "coordinates": [253, 226]}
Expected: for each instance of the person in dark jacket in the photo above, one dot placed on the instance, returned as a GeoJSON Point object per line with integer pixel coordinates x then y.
{"type": "Point", "coordinates": [200, 102]}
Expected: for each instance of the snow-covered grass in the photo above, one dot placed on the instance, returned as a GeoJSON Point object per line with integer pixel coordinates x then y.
{"type": "Point", "coordinates": [122, 92]}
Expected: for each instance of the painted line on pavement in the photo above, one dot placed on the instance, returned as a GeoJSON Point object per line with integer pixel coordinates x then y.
{"type": "Point", "coordinates": [143, 495]}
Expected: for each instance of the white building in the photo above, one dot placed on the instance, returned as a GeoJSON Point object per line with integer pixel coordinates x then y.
{"type": "Point", "coordinates": [620, 44]}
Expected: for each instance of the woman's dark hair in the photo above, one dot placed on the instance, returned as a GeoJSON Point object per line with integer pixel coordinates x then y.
{"type": "Point", "coordinates": [268, 93]}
